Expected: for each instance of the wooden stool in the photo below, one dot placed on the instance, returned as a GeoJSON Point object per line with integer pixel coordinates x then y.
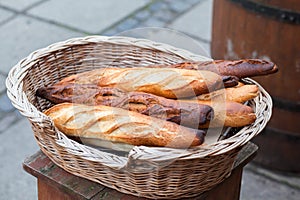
{"type": "Point", "coordinates": [55, 183]}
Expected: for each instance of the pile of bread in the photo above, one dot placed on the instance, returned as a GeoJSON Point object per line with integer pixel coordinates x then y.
{"type": "Point", "coordinates": [161, 105]}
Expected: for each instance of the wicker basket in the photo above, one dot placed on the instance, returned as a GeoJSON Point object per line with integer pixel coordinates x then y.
{"type": "Point", "coordinates": [157, 173]}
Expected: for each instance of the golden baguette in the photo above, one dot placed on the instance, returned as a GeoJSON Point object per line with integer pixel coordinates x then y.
{"type": "Point", "coordinates": [166, 82]}
{"type": "Point", "coordinates": [239, 94]}
{"type": "Point", "coordinates": [118, 125]}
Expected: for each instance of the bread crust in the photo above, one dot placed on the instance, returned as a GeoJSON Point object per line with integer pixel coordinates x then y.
{"type": "Point", "coordinates": [228, 114]}
{"type": "Point", "coordinates": [166, 82]}
{"type": "Point", "coordinates": [119, 125]}
{"type": "Point", "coordinates": [190, 114]}
{"type": "Point", "coordinates": [239, 94]}
{"type": "Point", "coordinates": [239, 68]}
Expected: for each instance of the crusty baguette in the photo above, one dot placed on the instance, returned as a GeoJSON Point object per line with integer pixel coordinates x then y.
{"type": "Point", "coordinates": [119, 125]}
{"type": "Point", "coordinates": [239, 68]}
{"type": "Point", "coordinates": [239, 94]}
{"type": "Point", "coordinates": [228, 114]}
{"type": "Point", "coordinates": [166, 82]}
{"type": "Point", "coordinates": [184, 113]}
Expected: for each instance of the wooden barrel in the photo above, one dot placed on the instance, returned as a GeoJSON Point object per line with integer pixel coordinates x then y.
{"type": "Point", "coordinates": [267, 29]}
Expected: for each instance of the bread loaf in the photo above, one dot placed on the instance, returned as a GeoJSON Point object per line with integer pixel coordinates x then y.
{"type": "Point", "coordinates": [228, 114]}
{"type": "Point", "coordinates": [239, 68]}
{"type": "Point", "coordinates": [190, 114]}
{"type": "Point", "coordinates": [239, 94]}
{"type": "Point", "coordinates": [118, 125]}
{"type": "Point", "coordinates": [166, 82]}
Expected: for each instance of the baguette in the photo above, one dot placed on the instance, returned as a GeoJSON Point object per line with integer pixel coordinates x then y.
{"type": "Point", "coordinates": [239, 68]}
{"type": "Point", "coordinates": [228, 114]}
{"type": "Point", "coordinates": [118, 125]}
{"type": "Point", "coordinates": [190, 114]}
{"type": "Point", "coordinates": [239, 94]}
{"type": "Point", "coordinates": [166, 82]}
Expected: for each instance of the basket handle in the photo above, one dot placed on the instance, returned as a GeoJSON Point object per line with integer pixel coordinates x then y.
{"type": "Point", "coordinates": [152, 158]}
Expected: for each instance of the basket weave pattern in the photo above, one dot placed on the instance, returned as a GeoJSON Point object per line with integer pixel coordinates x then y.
{"type": "Point", "coordinates": [158, 173]}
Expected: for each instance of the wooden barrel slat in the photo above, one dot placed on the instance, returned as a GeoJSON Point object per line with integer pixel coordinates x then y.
{"type": "Point", "coordinates": [286, 120]}
{"type": "Point", "coordinates": [282, 144]}
{"type": "Point", "coordinates": [283, 4]}
{"type": "Point", "coordinates": [242, 33]}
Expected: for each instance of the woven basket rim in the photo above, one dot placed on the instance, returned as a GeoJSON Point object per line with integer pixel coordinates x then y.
{"type": "Point", "coordinates": [18, 97]}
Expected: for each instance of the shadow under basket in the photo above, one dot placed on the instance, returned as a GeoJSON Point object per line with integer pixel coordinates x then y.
{"type": "Point", "coordinates": [152, 172]}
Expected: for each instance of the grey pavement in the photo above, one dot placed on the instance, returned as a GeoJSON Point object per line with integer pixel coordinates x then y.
{"type": "Point", "coordinates": [22, 35]}
{"type": "Point", "coordinates": [2, 83]}
{"type": "Point", "coordinates": [17, 143]}
{"type": "Point", "coordinates": [197, 22]}
{"type": "Point", "coordinates": [19, 5]}
{"type": "Point", "coordinates": [27, 25]}
{"type": "Point", "coordinates": [5, 15]}
{"type": "Point", "coordinates": [256, 186]}
{"type": "Point", "coordinates": [92, 16]}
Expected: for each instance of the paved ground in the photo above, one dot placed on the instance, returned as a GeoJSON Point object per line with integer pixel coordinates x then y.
{"type": "Point", "coordinates": [26, 25]}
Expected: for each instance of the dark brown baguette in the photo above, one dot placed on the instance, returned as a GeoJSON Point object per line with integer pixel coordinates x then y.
{"type": "Point", "coordinates": [238, 68]}
{"type": "Point", "coordinates": [119, 125]}
{"type": "Point", "coordinates": [190, 114]}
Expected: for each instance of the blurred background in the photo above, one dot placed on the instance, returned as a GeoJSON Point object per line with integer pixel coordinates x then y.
{"type": "Point", "coordinates": [225, 29]}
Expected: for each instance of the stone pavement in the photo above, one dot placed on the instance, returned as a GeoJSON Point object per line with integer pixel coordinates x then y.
{"type": "Point", "coordinates": [27, 25]}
